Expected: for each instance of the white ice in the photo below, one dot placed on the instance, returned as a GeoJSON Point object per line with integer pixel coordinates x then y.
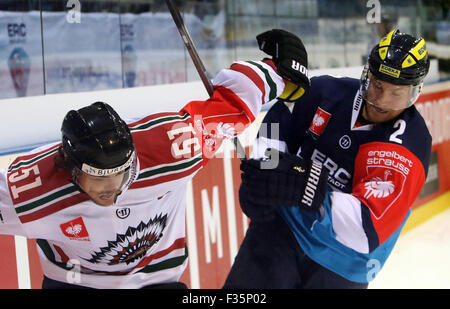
{"type": "Point", "coordinates": [420, 259]}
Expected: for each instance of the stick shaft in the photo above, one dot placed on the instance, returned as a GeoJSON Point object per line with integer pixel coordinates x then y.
{"type": "Point", "coordinates": [187, 40]}
{"type": "Point", "coordinates": [190, 46]}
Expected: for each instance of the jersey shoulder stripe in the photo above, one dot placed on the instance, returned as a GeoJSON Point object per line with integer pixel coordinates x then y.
{"type": "Point", "coordinates": [44, 199]}
{"type": "Point", "coordinates": [253, 82]}
{"type": "Point", "coordinates": [253, 76]}
{"type": "Point", "coordinates": [53, 206]}
{"type": "Point", "coordinates": [166, 169]}
{"type": "Point", "coordinates": [162, 174]}
{"type": "Point", "coordinates": [266, 70]}
{"type": "Point", "coordinates": [29, 159]}
{"type": "Point", "coordinates": [155, 120]}
{"type": "Point", "coordinates": [168, 149]}
{"type": "Point", "coordinates": [37, 188]}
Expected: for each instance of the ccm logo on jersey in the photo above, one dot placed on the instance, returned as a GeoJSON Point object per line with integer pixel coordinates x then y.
{"type": "Point", "coordinates": [75, 229]}
{"type": "Point", "coordinates": [319, 121]}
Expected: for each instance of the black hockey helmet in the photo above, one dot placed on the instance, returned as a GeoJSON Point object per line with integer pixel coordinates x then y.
{"type": "Point", "coordinates": [399, 59]}
{"type": "Point", "coordinates": [97, 141]}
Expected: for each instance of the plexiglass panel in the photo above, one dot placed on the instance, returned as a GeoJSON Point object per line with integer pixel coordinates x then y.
{"type": "Point", "coordinates": [58, 46]}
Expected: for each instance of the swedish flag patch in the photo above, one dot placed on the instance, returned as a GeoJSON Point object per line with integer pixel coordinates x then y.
{"type": "Point", "coordinates": [389, 71]}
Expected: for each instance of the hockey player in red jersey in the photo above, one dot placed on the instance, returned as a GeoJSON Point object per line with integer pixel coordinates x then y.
{"type": "Point", "coordinates": [354, 157]}
{"type": "Point", "coordinates": [108, 202]}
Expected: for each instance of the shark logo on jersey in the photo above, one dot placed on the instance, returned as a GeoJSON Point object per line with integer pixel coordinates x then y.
{"type": "Point", "coordinates": [132, 245]}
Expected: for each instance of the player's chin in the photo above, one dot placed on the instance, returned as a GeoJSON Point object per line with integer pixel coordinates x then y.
{"type": "Point", "coordinates": [378, 116]}
{"type": "Point", "coordinates": [103, 201]}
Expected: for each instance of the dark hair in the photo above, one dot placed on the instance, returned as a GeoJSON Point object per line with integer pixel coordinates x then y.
{"type": "Point", "coordinates": [62, 161]}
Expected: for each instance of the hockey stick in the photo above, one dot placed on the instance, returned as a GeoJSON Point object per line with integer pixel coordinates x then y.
{"type": "Point", "coordinates": [198, 63]}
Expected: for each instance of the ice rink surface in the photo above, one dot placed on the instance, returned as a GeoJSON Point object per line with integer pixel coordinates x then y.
{"type": "Point", "coordinates": [420, 259]}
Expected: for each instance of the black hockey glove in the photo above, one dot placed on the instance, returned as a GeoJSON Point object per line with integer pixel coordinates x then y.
{"type": "Point", "coordinates": [290, 58]}
{"type": "Point", "coordinates": [291, 182]}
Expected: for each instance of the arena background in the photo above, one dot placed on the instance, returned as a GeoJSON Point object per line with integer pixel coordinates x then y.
{"type": "Point", "coordinates": [60, 55]}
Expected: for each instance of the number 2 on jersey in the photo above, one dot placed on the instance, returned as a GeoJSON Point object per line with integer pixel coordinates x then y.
{"type": "Point", "coordinates": [24, 174]}
{"type": "Point", "coordinates": [401, 124]}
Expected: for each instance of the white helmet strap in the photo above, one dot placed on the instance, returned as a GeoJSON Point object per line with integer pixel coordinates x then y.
{"type": "Point", "coordinates": [93, 171]}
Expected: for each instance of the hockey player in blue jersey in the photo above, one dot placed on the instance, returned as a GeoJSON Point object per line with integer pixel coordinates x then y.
{"type": "Point", "coordinates": [333, 175]}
